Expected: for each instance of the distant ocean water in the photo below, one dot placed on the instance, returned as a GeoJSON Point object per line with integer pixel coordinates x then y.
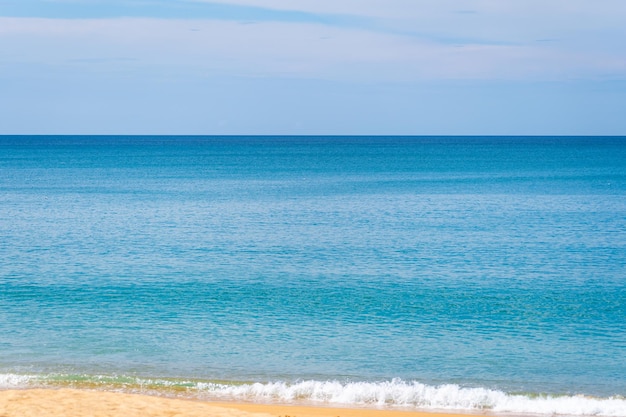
{"type": "Point", "coordinates": [460, 273]}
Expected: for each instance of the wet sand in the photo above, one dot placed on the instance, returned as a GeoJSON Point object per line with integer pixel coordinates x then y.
{"type": "Point", "coordinates": [82, 403]}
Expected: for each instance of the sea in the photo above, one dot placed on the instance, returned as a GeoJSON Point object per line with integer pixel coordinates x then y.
{"type": "Point", "coordinates": [467, 274]}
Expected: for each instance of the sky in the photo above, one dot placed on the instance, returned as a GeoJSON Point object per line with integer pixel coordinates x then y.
{"type": "Point", "coordinates": [313, 67]}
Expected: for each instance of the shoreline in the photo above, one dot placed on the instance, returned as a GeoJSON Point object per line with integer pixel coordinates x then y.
{"type": "Point", "coordinates": [384, 399]}
{"type": "Point", "coordinates": [67, 402]}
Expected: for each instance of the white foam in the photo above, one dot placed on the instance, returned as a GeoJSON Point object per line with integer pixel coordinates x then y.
{"type": "Point", "coordinates": [395, 393]}
{"type": "Point", "coordinates": [398, 393]}
{"type": "Point", "coordinates": [12, 381]}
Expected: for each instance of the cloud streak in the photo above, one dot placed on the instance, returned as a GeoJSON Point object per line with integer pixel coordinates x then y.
{"type": "Point", "coordinates": [322, 65]}
{"type": "Point", "coordinates": [305, 50]}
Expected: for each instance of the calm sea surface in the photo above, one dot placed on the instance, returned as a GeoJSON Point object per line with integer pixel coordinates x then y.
{"type": "Point", "coordinates": [459, 273]}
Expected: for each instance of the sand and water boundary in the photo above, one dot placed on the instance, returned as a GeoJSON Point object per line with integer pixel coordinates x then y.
{"type": "Point", "coordinates": [82, 403]}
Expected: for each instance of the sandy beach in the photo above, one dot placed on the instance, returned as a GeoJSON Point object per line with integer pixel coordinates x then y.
{"type": "Point", "coordinates": [79, 403]}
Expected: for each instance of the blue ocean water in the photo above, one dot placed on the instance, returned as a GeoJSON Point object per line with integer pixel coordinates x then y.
{"type": "Point", "coordinates": [459, 273]}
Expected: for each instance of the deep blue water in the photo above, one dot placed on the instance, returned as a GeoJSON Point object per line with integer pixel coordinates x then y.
{"type": "Point", "coordinates": [486, 263]}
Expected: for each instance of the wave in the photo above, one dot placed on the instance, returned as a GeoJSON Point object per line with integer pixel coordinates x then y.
{"type": "Point", "coordinates": [391, 394]}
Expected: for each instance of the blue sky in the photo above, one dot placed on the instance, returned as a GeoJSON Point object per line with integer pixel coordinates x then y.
{"type": "Point", "coordinates": [417, 67]}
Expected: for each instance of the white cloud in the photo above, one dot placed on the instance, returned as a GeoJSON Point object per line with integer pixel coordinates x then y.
{"type": "Point", "coordinates": [209, 47]}
{"type": "Point", "coordinates": [605, 10]}
{"type": "Point", "coordinates": [165, 75]}
{"type": "Point", "coordinates": [578, 27]}
{"type": "Point", "coordinates": [470, 21]}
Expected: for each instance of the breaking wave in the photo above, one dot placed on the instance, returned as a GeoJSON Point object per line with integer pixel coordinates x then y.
{"type": "Point", "coordinates": [392, 394]}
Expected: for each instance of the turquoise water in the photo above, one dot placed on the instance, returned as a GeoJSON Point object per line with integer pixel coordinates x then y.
{"type": "Point", "coordinates": [459, 273]}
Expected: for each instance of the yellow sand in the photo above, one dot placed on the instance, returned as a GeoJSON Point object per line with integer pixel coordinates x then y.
{"type": "Point", "coordinates": [77, 403]}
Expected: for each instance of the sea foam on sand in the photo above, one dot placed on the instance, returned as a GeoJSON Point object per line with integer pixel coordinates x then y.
{"type": "Point", "coordinates": [77, 403]}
